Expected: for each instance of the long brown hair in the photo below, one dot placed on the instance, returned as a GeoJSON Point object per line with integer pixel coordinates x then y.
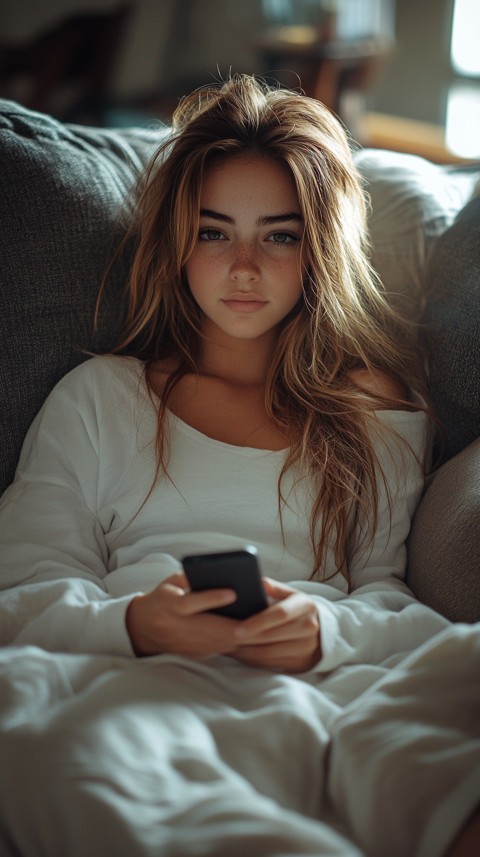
{"type": "Point", "coordinates": [344, 323]}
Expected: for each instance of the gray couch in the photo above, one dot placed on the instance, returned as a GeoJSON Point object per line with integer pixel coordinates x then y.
{"type": "Point", "coordinates": [62, 211]}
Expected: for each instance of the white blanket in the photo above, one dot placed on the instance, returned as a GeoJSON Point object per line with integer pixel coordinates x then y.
{"type": "Point", "coordinates": [109, 756]}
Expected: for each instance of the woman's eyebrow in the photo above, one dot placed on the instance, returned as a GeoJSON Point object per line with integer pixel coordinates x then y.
{"type": "Point", "coordinates": [265, 220]}
{"type": "Point", "coordinates": [215, 215]}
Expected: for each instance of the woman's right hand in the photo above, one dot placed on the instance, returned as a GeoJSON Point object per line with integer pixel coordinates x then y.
{"type": "Point", "coordinates": [172, 619]}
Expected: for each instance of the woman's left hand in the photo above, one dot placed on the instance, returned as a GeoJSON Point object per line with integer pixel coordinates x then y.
{"type": "Point", "coordinates": [285, 636]}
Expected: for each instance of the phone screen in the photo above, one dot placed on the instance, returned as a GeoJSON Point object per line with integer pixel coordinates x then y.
{"type": "Point", "coordinates": [236, 570]}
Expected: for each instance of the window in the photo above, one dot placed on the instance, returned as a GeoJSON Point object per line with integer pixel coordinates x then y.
{"type": "Point", "coordinates": [465, 46]}
{"type": "Point", "coordinates": [463, 103]}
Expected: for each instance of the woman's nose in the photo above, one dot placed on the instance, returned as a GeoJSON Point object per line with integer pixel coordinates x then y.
{"type": "Point", "coordinates": [244, 266]}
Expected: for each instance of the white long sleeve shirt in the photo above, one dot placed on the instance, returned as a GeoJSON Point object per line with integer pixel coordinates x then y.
{"type": "Point", "coordinates": [78, 538]}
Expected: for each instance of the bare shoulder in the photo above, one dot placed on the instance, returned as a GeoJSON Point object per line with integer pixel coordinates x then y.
{"type": "Point", "coordinates": [378, 383]}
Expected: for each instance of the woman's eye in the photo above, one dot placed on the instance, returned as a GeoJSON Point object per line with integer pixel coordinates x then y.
{"type": "Point", "coordinates": [282, 238]}
{"type": "Point", "coordinates": [210, 234]}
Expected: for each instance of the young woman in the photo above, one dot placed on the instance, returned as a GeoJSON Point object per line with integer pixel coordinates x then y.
{"type": "Point", "coordinates": [270, 397]}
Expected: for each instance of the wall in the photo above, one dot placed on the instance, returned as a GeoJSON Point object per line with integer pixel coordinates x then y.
{"type": "Point", "coordinates": [197, 39]}
{"type": "Point", "coordinates": [170, 46]}
{"type": "Point", "coordinates": [415, 81]}
{"type": "Point", "coordinates": [174, 45]}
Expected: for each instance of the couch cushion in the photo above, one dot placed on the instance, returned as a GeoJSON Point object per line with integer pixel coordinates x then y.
{"type": "Point", "coordinates": [62, 191]}
{"type": "Point", "coordinates": [444, 544]}
{"type": "Point", "coordinates": [412, 203]}
{"type": "Point", "coordinates": [451, 328]}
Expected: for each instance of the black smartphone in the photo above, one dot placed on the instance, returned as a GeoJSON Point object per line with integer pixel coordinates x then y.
{"type": "Point", "coordinates": [236, 570]}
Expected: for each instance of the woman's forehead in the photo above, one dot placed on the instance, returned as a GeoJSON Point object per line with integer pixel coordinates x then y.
{"type": "Point", "coordinates": [250, 179]}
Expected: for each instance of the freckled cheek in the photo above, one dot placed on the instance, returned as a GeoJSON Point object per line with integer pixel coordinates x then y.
{"type": "Point", "coordinates": [200, 272]}
{"type": "Point", "coordinates": [288, 275]}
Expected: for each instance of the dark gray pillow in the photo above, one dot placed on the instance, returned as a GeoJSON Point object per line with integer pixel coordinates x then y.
{"type": "Point", "coordinates": [451, 328]}
{"type": "Point", "coordinates": [444, 544]}
{"type": "Point", "coordinates": [62, 213]}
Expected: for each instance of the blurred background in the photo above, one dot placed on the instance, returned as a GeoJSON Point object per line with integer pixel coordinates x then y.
{"type": "Point", "coordinates": [401, 74]}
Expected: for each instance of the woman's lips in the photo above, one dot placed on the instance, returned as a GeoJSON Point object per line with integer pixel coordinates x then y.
{"type": "Point", "coordinates": [244, 305]}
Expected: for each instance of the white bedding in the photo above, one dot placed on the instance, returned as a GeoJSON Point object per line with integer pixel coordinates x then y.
{"type": "Point", "coordinates": [109, 756]}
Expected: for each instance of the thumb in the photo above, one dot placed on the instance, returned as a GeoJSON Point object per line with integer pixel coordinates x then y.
{"type": "Point", "coordinates": [277, 591]}
{"type": "Point", "coordinates": [177, 579]}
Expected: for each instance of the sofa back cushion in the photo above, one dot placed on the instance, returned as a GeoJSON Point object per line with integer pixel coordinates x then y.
{"type": "Point", "coordinates": [451, 328]}
{"type": "Point", "coordinates": [62, 214]}
{"type": "Point", "coordinates": [444, 544]}
{"type": "Point", "coordinates": [412, 203]}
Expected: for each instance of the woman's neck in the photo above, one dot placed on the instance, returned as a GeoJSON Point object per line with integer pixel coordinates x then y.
{"type": "Point", "coordinates": [241, 362]}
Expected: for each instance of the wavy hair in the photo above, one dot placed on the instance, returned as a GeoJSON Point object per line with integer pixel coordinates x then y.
{"type": "Point", "coordinates": [344, 322]}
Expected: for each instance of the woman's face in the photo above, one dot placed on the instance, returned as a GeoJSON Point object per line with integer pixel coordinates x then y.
{"type": "Point", "coordinates": [245, 271]}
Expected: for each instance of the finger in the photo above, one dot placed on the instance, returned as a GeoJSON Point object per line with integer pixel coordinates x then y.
{"type": "Point", "coordinates": [278, 614]}
{"type": "Point", "coordinates": [276, 590]}
{"type": "Point", "coordinates": [186, 602]}
{"type": "Point", "coordinates": [178, 579]}
{"type": "Point", "coordinates": [209, 599]}
{"type": "Point", "coordinates": [298, 629]}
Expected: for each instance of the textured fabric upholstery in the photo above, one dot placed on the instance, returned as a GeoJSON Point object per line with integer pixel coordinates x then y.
{"type": "Point", "coordinates": [412, 203]}
{"type": "Point", "coordinates": [451, 328]}
{"type": "Point", "coordinates": [444, 544]}
{"type": "Point", "coordinates": [61, 195]}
